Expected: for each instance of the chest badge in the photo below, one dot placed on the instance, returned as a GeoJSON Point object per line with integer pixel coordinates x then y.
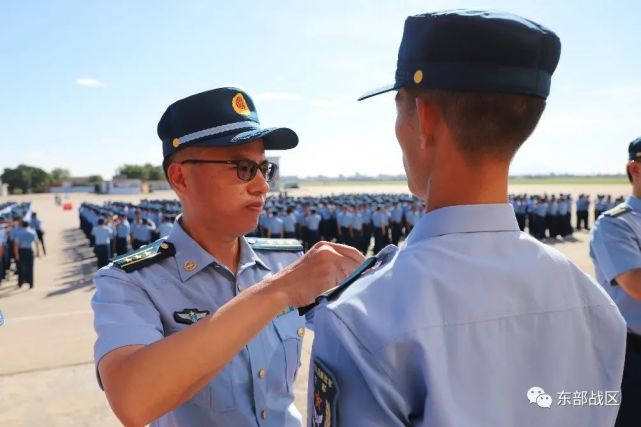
{"type": "Point", "coordinates": [189, 316]}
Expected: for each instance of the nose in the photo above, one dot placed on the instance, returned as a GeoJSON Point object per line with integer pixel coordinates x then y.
{"type": "Point", "coordinates": [258, 185]}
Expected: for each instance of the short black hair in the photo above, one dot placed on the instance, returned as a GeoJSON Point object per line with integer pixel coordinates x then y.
{"type": "Point", "coordinates": [486, 123]}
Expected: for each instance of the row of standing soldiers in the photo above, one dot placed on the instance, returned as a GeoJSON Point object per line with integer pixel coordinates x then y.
{"type": "Point", "coordinates": [21, 237]}
{"type": "Point", "coordinates": [115, 229]}
{"type": "Point", "coordinates": [549, 216]}
{"type": "Point", "coordinates": [359, 220]}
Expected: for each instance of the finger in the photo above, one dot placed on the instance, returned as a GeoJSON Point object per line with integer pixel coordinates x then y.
{"type": "Point", "coordinates": [349, 252]}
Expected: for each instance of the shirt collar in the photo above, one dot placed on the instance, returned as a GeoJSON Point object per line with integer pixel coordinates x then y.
{"type": "Point", "coordinates": [634, 202]}
{"type": "Point", "coordinates": [464, 219]}
{"type": "Point", "coordinates": [192, 258]}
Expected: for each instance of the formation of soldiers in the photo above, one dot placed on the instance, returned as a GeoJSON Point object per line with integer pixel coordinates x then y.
{"type": "Point", "coordinates": [367, 222]}
{"type": "Point", "coordinates": [20, 233]}
{"type": "Point", "coordinates": [549, 216]}
{"type": "Point", "coordinates": [116, 227]}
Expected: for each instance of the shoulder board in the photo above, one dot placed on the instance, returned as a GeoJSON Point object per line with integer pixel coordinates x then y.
{"type": "Point", "coordinates": [144, 256]}
{"type": "Point", "coordinates": [372, 263]}
{"type": "Point", "coordinates": [618, 210]}
{"type": "Point", "coordinates": [275, 244]}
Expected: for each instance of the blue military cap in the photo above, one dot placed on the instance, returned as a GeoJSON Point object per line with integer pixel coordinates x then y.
{"type": "Point", "coordinates": [218, 118]}
{"type": "Point", "coordinates": [634, 149]}
{"type": "Point", "coordinates": [468, 50]}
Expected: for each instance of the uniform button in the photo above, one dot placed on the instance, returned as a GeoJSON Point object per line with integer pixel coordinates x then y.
{"type": "Point", "coordinates": [301, 332]}
{"type": "Point", "coordinates": [239, 287]}
{"type": "Point", "coordinates": [263, 414]}
{"type": "Point", "coordinates": [262, 374]}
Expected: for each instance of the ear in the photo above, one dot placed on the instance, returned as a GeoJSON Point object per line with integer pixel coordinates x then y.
{"type": "Point", "coordinates": [427, 119]}
{"type": "Point", "coordinates": [176, 177]}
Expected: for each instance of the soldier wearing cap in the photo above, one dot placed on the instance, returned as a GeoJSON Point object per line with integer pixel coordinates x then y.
{"type": "Point", "coordinates": [103, 236]}
{"type": "Point", "coordinates": [470, 314]}
{"type": "Point", "coordinates": [615, 249]}
{"type": "Point", "coordinates": [122, 231]}
{"type": "Point", "coordinates": [196, 329]}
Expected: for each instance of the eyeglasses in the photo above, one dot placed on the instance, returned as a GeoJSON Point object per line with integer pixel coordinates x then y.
{"type": "Point", "coordinates": [245, 169]}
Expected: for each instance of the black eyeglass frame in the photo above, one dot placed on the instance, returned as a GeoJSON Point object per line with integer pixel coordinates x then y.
{"type": "Point", "coordinates": [267, 168]}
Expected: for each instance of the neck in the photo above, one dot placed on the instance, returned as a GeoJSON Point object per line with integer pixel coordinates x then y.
{"type": "Point", "coordinates": [480, 184]}
{"type": "Point", "coordinates": [225, 249]}
{"type": "Point", "coordinates": [636, 190]}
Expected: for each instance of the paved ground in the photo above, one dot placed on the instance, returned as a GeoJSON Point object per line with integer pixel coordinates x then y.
{"type": "Point", "coordinates": [46, 369]}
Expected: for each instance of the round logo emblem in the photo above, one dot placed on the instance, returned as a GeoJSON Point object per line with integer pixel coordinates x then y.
{"type": "Point", "coordinates": [240, 105]}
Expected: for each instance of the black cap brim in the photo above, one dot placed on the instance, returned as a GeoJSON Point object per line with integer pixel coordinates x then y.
{"type": "Point", "coordinates": [273, 138]}
{"type": "Point", "coordinates": [379, 91]}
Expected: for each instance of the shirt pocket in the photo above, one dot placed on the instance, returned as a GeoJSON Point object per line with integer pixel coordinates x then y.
{"type": "Point", "coordinates": [290, 328]}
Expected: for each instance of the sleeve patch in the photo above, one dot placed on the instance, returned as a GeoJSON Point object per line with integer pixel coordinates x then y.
{"type": "Point", "coordinates": [326, 393]}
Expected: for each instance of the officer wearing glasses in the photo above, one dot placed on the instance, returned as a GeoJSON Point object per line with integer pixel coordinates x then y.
{"type": "Point", "coordinates": [197, 328]}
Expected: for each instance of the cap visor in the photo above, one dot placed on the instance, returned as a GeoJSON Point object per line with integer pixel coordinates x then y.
{"type": "Point", "coordinates": [273, 138]}
{"type": "Point", "coordinates": [378, 91]}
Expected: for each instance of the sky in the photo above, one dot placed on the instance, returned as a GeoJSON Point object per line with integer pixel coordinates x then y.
{"type": "Point", "coordinates": [84, 83]}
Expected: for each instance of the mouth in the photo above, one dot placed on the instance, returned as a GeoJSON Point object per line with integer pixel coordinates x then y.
{"type": "Point", "coordinates": [256, 206]}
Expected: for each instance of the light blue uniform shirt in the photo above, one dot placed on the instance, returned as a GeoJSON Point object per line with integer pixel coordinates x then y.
{"type": "Point", "coordinates": [396, 214]}
{"type": "Point", "coordinates": [138, 308]}
{"type": "Point", "coordinates": [275, 226]}
{"type": "Point", "coordinates": [36, 224]}
{"type": "Point", "coordinates": [615, 247]}
{"type": "Point", "coordinates": [312, 221]}
{"type": "Point", "coordinates": [412, 217]}
{"type": "Point", "coordinates": [142, 231]}
{"type": "Point", "coordinates": [102, 234]}
{"type": "Point", "coordinates": [289, 223]}
{"type": "Point", "coordinates": [459, 325]}
{"type": "Point", "coordinates": [123, 230]}
{"type": "Point", "coordinates": [541, 209]}
{"type": "Point", "coordinates": [25, 237]}
{"type": "Point", "coordinates": [165, 228]}
{"type": "Point", "coordinates": [346, 219]}
{"type": "Point", "coordinates": [357, 221]}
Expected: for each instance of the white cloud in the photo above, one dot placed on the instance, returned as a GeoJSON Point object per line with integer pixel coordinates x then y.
{"type": "Point", "coordinates": [277, 96]}
{"type": "Point", "coordinates": [90, 82]}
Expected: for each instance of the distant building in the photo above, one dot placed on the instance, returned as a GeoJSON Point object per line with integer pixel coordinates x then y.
{"type": "Point", "coordinates": [159, 185]}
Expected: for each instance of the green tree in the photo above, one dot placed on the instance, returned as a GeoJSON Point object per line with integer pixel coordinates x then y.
{"type": "Point", "coordinates": [146, 172]}
{"type": "Point", "coordinates": [58, 175]}
{"type": "Point", "coordinates": [26, 179]}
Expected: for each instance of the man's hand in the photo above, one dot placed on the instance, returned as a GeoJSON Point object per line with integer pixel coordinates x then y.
{"type": "Point", "coordinates": [320, 269]}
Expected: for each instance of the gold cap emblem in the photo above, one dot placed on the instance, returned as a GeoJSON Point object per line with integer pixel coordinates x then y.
{"type": "Point", "coordinates": [418, 76]}
{"type": "Point", "coordinates": [240, 105]}
{"type": "Point", "coordinates": [175, 142]}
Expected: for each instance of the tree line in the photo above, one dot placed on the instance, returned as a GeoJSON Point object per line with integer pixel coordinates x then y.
{"type": "Point", "coordinates": [25, 179]}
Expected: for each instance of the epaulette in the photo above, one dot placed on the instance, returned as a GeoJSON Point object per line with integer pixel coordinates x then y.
{"type": "Point", "coordinates": [275, 244]}
{"type": "Point", "coordinates": [145, 255]}
{"type": "Point", "coordinates": [618, 210]}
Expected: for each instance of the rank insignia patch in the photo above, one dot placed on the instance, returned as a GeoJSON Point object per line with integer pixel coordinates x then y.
{"type": "Point", "coordinates": [325, 397]}
{"type": "Point", "coordinates": [189, 315]}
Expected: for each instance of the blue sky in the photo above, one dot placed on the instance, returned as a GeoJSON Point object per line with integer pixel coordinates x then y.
{"type": "Point", "coordinates": [83, 83]}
